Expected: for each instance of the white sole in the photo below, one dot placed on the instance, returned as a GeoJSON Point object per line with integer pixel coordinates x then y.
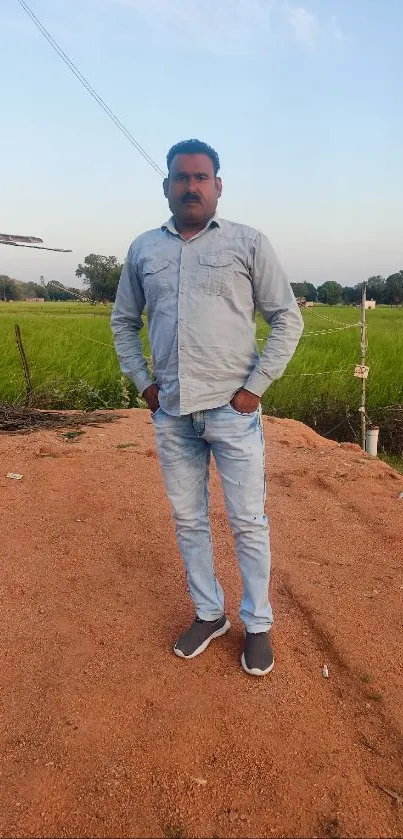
{"type": "Point", "coordinates": [205, 644]}
{"type": "Point", "coordinates": [254, 670]}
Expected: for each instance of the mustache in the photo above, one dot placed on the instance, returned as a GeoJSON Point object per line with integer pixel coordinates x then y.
{"type": "Point", "coordinates": [190, 197]}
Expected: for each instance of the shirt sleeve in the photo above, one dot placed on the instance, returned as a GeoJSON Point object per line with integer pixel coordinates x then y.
{"type": "Point", "coordinates": [126, 323]}
{"type": "Point", "coordinates": [275, 299]}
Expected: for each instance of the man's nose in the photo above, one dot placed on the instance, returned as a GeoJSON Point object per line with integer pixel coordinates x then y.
{"type": "Point", "coordinates": [192, 185]}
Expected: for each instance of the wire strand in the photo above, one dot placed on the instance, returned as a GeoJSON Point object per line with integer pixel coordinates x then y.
{"type": "Point", "coordinates": [318, 314]}
{"type": "Point", "coordinates": [90, 89]}
{"type": "Point", "coordinates": [323, 331]}
{"type": "Point", "coordinates": [335, 427]}
{"type": "Point", "coordinates": [319, 373]}
{"type": "Point", "coordinates": [329, 331]}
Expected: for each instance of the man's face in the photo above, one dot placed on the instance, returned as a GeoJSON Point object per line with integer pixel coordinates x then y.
{"type": "Point", "coordinates": [192, 189]}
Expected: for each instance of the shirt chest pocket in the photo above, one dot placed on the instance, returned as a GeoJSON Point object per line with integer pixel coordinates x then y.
{"type": "Point", "coordinates": [215, 274]}
{"type": "Point", "coordinates": [156, 278]}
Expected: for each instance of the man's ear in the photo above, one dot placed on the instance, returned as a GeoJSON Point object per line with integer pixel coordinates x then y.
{"type": "Point", "coordinates": [165, 187]}
{"type": "Point", "coordinates": [218, 187]}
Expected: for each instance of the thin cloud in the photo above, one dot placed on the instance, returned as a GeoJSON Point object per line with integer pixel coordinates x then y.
{"type": "Point", "coordinates": [218, 26]}
{"type": "Point", "coordinates": [226, 26]}
{"type": "Point", "coordinates": [338, 33]}
{"type": "Point", "coordinates": [229, 27]}
{"type": "Point", "coordinates": [304, 23]}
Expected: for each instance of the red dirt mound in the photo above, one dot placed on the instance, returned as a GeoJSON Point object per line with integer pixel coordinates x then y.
{"type": "Point", "coordinates": [104, 732]}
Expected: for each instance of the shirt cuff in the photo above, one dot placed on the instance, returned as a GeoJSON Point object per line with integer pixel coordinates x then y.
{"type": "Point", "coordinates": [142, 381]}
{"type": "Point", "coordinates": [257, 382]}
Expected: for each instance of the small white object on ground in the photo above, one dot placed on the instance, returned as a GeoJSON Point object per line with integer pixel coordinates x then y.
{"type": "Point", "coordinates": [14, 475]}
{"type": "Point", "coordinates": [325, 672]}
{"type": "Point", "coordinates": [401, 496]}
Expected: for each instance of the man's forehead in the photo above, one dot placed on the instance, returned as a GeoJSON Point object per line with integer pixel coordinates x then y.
{"type": "Point", "coordinates": [192, 163]}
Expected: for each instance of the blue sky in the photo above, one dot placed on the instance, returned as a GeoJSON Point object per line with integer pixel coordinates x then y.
{"type": "Point", "coordinates": [303, 102]}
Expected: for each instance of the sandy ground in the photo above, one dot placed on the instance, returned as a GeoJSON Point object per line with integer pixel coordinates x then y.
{"type": "Point", "coordinates": [105, 733]}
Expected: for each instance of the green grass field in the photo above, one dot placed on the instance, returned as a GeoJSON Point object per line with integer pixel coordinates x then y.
{"type": "Point", "coordinates": [338, 352]}
{"type": "Point", "coordinates": [73, 364]}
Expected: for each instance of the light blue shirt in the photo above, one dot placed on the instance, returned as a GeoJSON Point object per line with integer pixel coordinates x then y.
{"type": "Point", "coordinates": [201, 296]}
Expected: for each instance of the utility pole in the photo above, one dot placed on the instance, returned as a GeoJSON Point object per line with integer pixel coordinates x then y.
{"type": "Point", "coordinates": [363, 360]}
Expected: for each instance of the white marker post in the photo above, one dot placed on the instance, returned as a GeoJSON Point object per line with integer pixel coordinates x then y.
{"type": "Point", "coordinates": [363, 359]}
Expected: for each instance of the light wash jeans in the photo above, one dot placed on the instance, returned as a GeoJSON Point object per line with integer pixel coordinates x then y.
{"type": "Point", "coordinates": [185, 444]}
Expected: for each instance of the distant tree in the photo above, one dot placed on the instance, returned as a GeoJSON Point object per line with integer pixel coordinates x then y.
{"type": "Point", "coordinates": [8, 288]}
{"type": "Point", "coordinates": [351, 294]}
{"type": "Point", "coordinates": [376, 289]}
{"type": "Point", "coordinates": [306, 290]}
{"type": "Point", "coordinates": [311, 293]}
{"type": "Point", "coordinates": [330, 293]}
{"type": "Point", "coordinates": [394, 289]}
{"type": "Point", "coordinates": [348, 295]}
{"type": "Point", "coordinates": [113, 280]}
{"type": "Point", "coordinates": [101, 275]}
{"type": "Point", "coordinates": [57, 291]}
{"type": "Point", "coordinates": [31, 289]}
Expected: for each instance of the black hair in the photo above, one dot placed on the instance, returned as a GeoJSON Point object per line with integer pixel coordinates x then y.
{"type": "Point", "coordinates": [194, 147]}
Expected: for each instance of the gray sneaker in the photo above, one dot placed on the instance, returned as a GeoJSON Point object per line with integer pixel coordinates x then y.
{"type": "Point", "coordinates": [197, 638]}
{"type": "Point", "coordinates": [257, 657]}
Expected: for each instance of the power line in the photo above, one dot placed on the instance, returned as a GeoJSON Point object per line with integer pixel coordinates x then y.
{"type": "Point", "coordinates": [36, 247]}
{"type": "Point", "coordinates": [90, 89]}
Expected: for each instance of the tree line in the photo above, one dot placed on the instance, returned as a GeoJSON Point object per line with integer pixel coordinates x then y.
{"type": "Point", "coordinates": [11, 289]}
{"type": "Point", "coordinates": [387, 291]}
{"type": "Point", "coordinates": [100, 276]}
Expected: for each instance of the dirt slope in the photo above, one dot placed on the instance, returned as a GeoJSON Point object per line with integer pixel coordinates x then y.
{"type": "Point", "coordinates": [104, 732]}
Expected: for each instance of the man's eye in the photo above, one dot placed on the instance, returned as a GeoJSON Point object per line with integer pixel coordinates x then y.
{"type": "Point", "coordinates": [201, 177]}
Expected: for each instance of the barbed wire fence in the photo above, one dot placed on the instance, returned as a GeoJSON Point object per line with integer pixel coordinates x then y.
{"type": "Point", "coordinates": [125, 396]}
{"type": "Point", "coordinates": [341, 327]}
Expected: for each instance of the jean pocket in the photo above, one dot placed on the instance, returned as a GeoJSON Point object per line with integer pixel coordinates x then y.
{"type": "Point", "coordinates": [242, 413]}
{"type": "Point", "coordinates": [154, 413]}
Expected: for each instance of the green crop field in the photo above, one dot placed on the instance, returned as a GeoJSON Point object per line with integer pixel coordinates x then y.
{"type": "Point", "coordinates": [334, 354]}
{"type": "Point", "coordinates": [73, 364]}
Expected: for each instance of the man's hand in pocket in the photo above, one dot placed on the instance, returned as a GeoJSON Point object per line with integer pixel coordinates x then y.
{"type": "Point", "coordinates": [151, 397]}
{"type": "Point", "coordinates": [245, 402]}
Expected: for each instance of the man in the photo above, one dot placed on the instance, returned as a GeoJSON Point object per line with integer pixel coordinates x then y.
{"type": "Point", "coordinates": [201, 279]}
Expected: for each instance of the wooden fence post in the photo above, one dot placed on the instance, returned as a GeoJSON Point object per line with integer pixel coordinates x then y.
{"type": "Point", "coordinates": [25, 366]}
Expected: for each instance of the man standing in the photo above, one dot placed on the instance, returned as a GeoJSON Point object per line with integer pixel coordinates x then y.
{"type": "Point", "coordinates": [201, 279]}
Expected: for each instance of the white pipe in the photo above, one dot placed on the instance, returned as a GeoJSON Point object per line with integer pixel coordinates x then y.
{"type": "Point", "coordinates": [371, 446]}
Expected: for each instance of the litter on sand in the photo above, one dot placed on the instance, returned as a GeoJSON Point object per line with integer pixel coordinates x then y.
{"type": "Point", "coordinates": [15, 476]}
{"type": "Point", "coordinates": [325, 672]}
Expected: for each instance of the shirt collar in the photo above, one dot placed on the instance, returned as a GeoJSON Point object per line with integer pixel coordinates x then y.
{"type": "Point", "coordinates": [170, 225]}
